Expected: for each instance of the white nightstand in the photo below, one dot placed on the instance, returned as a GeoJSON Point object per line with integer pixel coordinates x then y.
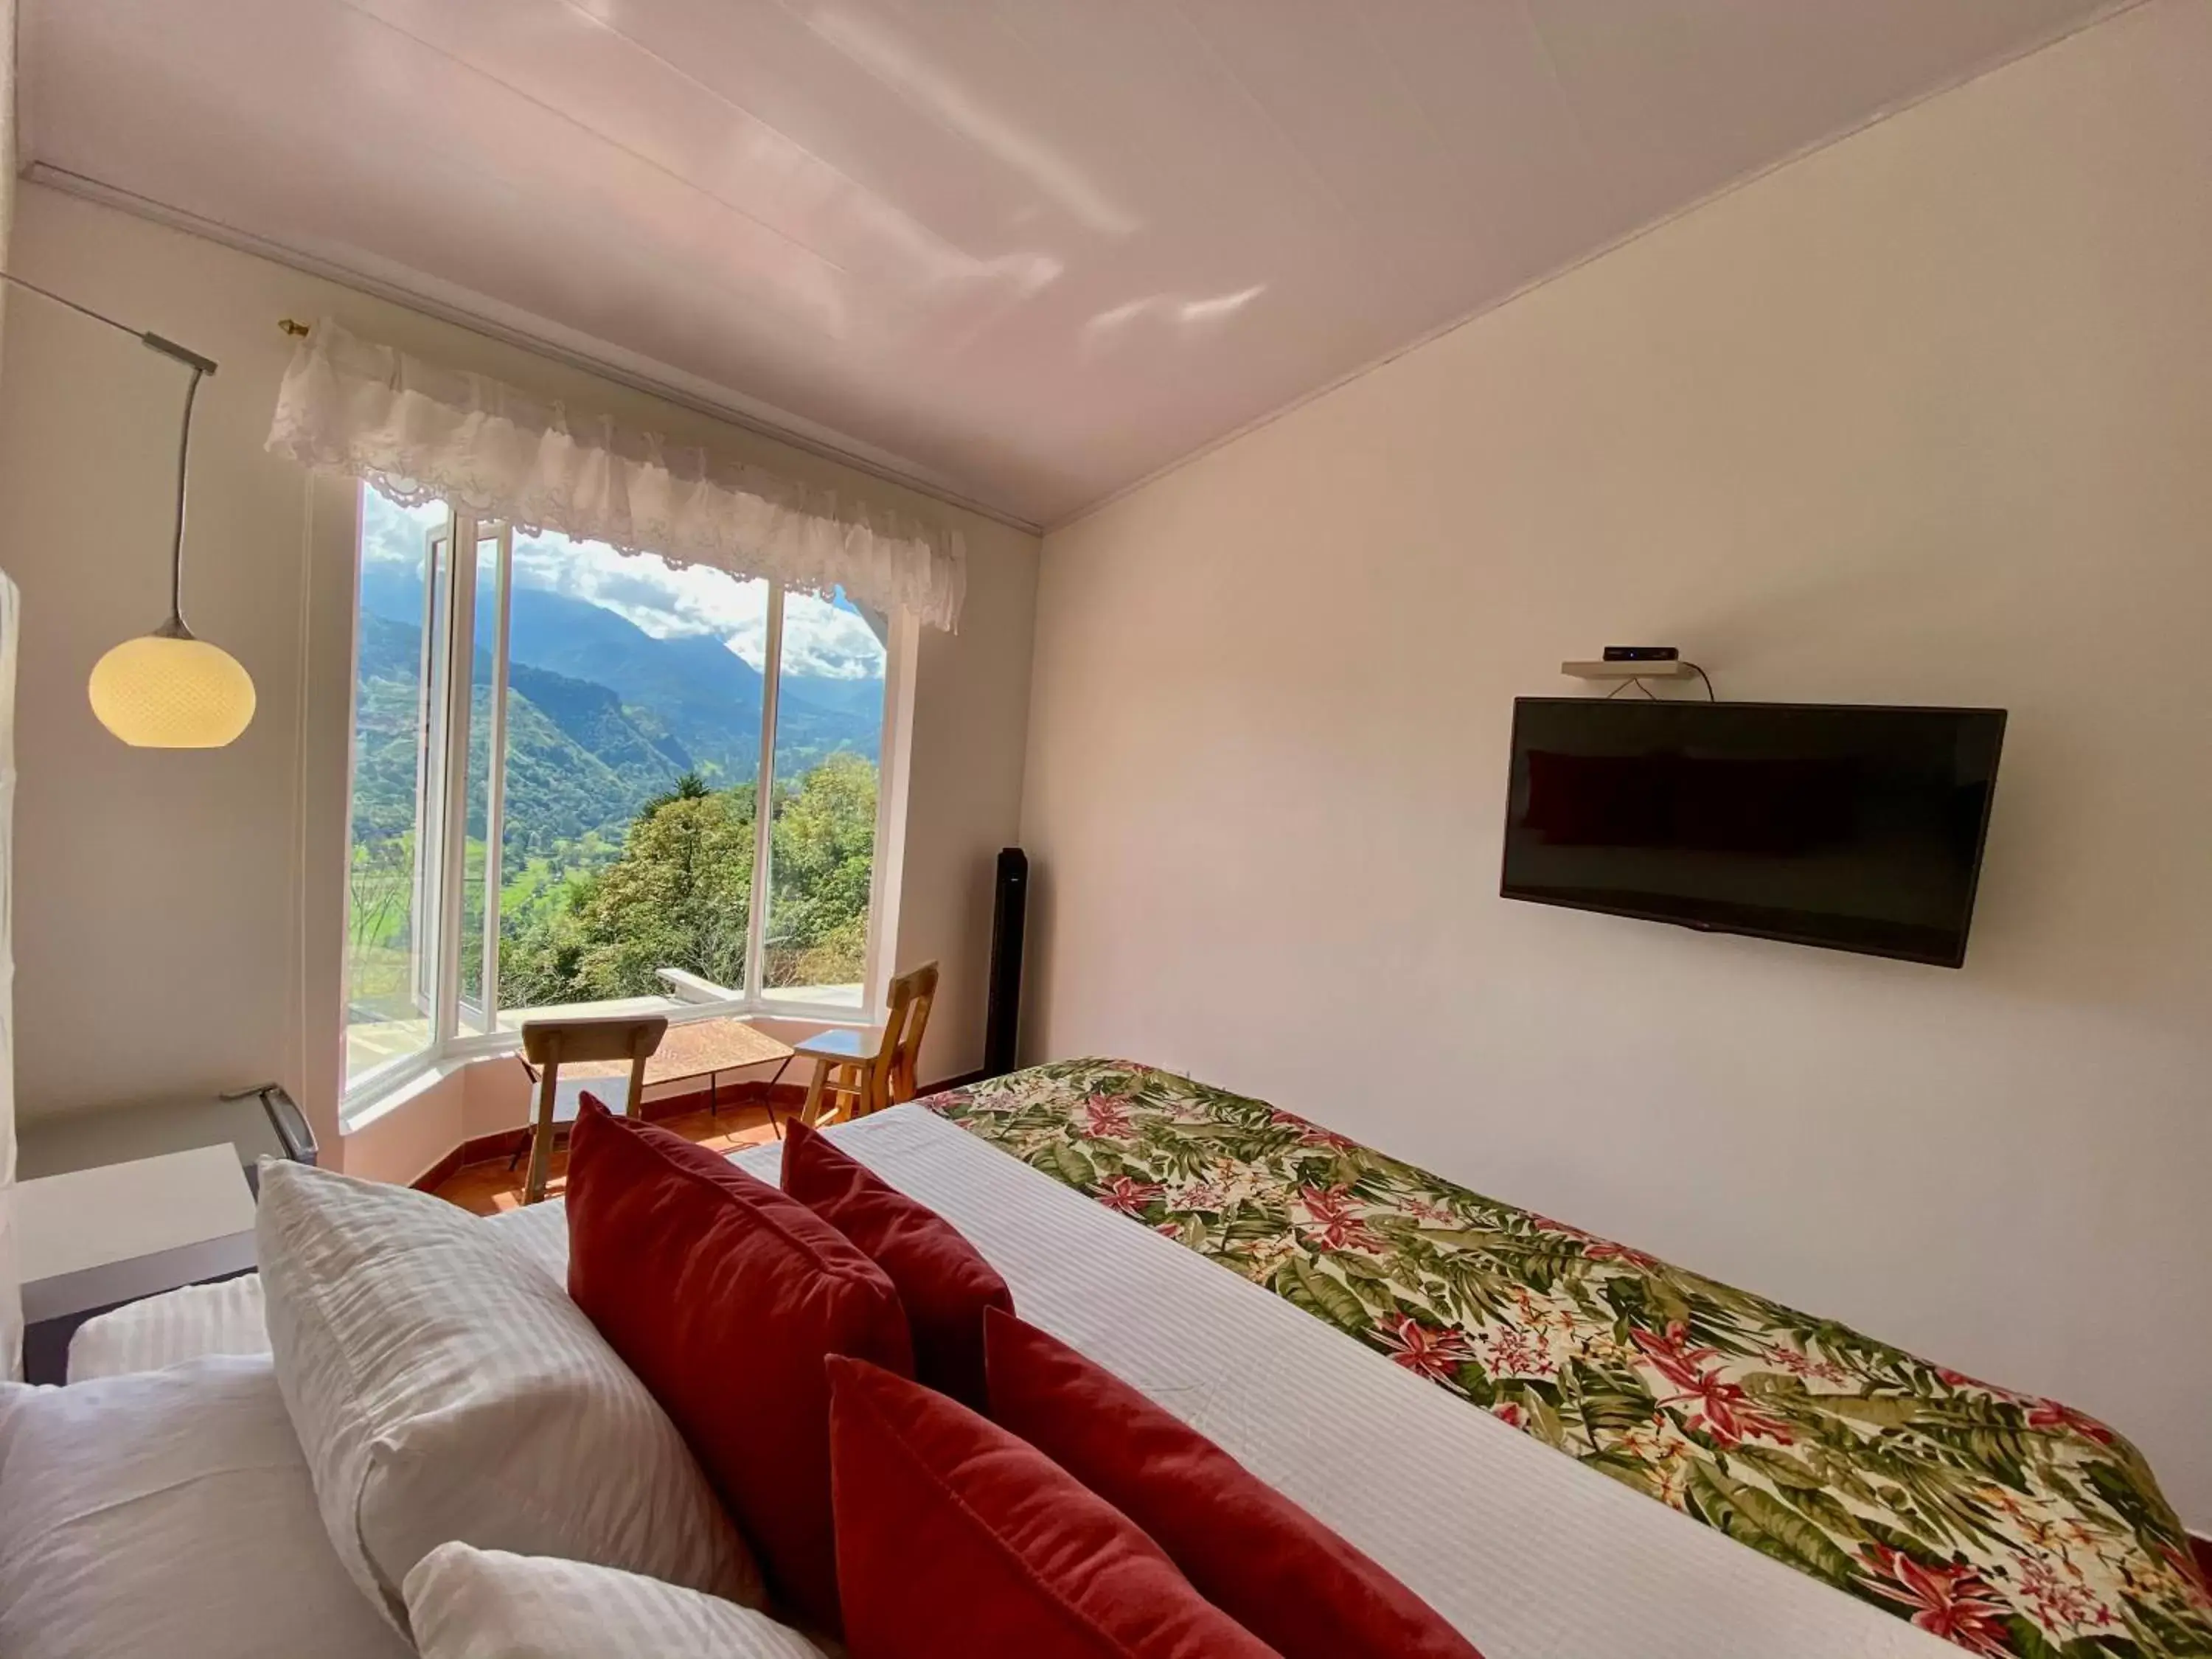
{"type": "Point", "coordinates": [94, 1239]}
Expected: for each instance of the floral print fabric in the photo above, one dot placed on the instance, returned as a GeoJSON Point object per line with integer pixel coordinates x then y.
{"type": "Point", "coordinates": [2008, 1524]}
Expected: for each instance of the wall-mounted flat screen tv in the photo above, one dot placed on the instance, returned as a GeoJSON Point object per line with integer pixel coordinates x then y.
{"type": "Point", "coordinates": [1855, 827]}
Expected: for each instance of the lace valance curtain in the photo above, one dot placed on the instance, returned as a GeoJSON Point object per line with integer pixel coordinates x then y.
{"type": "Point", "coordinates": [421, 432]}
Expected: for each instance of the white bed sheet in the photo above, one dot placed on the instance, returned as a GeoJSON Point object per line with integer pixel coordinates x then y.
{"type": "Point", "coordinates": [170, 1515]}
{"type": "Point", "coordinates": [1529, 1553]}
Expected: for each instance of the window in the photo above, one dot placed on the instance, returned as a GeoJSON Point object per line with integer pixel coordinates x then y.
{"type": "Point", "coordinates": [574, 770]}
{"type": "Point", "coordinates": [399, 686]}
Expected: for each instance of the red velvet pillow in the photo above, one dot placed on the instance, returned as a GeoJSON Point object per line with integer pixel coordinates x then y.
{"type": "Point", "coordinates": [955, 1540]}
{"type": "Point", "coordinates": [1249, 1550]}
{"type": "Point", "coordinates": [725, 1296]}
{"type": "Point", "coordinates": [944, 1282]}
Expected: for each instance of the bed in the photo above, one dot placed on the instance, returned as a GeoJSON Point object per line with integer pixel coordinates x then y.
{"type": "Point", "coordinates": [1374, 1343]}
{"type": "Point", "coordinates": [2007, 1523]}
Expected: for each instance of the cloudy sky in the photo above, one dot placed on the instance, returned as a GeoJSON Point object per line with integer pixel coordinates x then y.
{"type": "Point", "coordinates": [820, 639]}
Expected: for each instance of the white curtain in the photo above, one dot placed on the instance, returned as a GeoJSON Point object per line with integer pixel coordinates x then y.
{"type": "Point", "coordinates": [421, 432]}
{"type": "Point", "coordinates": [11, 1289]}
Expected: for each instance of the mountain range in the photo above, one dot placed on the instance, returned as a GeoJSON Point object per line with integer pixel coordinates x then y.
{"type": "Point", "coordinates": [602, 716]}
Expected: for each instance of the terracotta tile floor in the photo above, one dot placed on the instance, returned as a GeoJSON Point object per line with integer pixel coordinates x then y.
{"type": "Point", "coordinates": [489, 1187]}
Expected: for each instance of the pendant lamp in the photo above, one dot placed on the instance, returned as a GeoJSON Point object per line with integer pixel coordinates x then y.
{"type": "Point", "coordinates": [168, 689]}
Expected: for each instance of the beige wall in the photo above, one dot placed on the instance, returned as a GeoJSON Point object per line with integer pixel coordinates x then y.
{"type": "Point", "coordinates": [1926, 417]}
{"type": "Point", "coordinates": [179, 914]}
{"type": "Point", "coordinates": [11, 1310]}
{"type": "Point", "coordinates": [7, 122]}
{"type": "Point", "coordinates": [7, 125]}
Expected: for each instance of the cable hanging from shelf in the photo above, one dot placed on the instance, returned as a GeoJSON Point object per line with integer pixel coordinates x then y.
{"type": "Point", "coordinates": [1636, 671]}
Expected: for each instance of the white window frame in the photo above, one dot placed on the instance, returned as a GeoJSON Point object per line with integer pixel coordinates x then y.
{"type": "Point", "coordinates": [442, 818]}
{"type": "Point", "coordinates": [430, 770]}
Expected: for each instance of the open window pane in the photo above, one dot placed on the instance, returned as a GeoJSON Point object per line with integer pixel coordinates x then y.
{"type": "Point", "coordinates": [633, 744]}
{"type": "Point", "coordinates": [398, 695]}
{"type": "Point", "coordinates": [479, 867]}
{"type": "Point", "coordinates": [829, 742]}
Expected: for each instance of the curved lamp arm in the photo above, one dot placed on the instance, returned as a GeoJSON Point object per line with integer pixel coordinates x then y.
{"type": "Point", "coordinates": [201, 367]}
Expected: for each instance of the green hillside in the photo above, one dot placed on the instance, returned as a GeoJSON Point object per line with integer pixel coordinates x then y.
{"type": "Point", "coordinates": [626, 842]}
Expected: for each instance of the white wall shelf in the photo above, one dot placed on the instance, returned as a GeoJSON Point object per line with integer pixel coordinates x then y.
{"type": "Point", "coordinates": [1627, 671]}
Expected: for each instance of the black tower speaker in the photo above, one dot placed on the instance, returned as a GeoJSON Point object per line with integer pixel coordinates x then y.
{"type": "Point", "coordinates": [1009, 905]}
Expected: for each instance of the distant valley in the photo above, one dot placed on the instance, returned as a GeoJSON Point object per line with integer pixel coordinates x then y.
{"type": "Point", "coordinates": [602, 716]}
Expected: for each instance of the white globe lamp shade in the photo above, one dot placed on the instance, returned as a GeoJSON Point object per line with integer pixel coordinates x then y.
{"type": "Point", "coordinates": [170, 691]}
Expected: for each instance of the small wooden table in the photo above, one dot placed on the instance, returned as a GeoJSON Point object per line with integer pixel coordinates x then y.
{"type": "Point", "coordinates": [699, 1048]}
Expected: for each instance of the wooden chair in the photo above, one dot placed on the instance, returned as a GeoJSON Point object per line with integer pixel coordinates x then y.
{"type": "Point", "coordinates": [867, 1074]}
{"type": "Point", "coordinates": [550, 1043]}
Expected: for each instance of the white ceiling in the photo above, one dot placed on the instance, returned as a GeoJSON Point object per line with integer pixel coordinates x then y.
{"type": "Point", "coordinates": [1026, 252]}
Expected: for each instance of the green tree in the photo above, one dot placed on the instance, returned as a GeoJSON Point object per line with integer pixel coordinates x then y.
{"type": "Point", "coordinates": [679, 894]}
{"type": "Point", "coordinates": [822, 855]}
{"type": "Point", "coordinates": [689, 786]}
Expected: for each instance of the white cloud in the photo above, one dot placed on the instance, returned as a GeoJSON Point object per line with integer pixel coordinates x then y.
{"type": "Point", "coordinates": [393, 534]}
{"type": "Point", "coordinates": [820, 639]}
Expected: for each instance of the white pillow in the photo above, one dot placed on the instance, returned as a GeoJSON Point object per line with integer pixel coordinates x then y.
{"type": "Point", "coordinates": [166, 1330]}
{"type": "Point", "coordinates": [468, 1603]}
{"type": "Point", "coordinates": [169, 1514]}
{"type": "Point", "coordinates": [444, 1386]}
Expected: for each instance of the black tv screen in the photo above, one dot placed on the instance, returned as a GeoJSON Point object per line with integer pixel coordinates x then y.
{"type": "Point", "coordinates": [1859, 829]}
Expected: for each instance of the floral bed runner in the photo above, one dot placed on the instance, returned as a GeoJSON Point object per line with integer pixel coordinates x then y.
{"type": "Point", "coordinates": [2008, 1524]}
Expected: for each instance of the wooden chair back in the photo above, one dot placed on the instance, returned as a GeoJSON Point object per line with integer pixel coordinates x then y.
{"type": "Point", "coordinates": [846, 1069]}
{"type": "Point", "coordinates": [912, 995]}
{"type": "Point", "coordinates": [551, 1043]}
